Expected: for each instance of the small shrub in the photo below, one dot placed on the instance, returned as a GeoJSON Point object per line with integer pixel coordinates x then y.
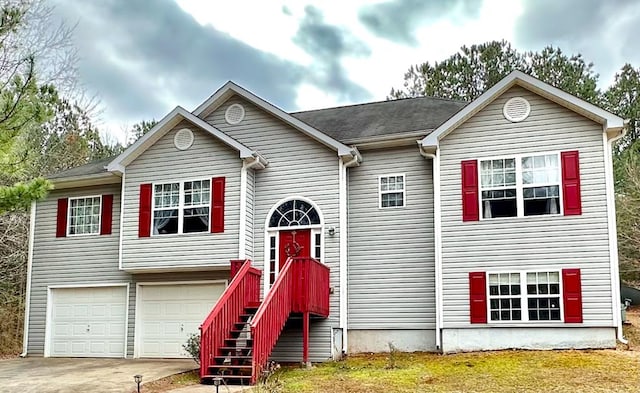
{"type": "Point", "coordinates": [192, 346]}
{"type": "Point", "coordinates": [270, 381]}
{"type": "Point", "coordinates": [392, 360]}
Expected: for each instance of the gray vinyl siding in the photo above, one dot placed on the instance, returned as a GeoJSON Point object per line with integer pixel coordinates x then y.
{"type": "Point", "coordinates": [530, 243]}
{"type": "Point", "coordinates": [298, 166]}
{"type": "Point", "coordinates": [391, 250]}
{"type": "Point", "coordinates": [69, 261]}
{"type": "Point", "coordinates": [163, 163]}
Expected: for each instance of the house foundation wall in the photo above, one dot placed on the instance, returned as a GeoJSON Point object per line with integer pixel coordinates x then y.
{"type": "Point", "coordinates": [467, 340]}
{"type": "Point", "coordinates": [379, 340]}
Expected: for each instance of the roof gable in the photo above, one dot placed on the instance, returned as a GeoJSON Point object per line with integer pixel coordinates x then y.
{"type": "Point", "coordinates": [609, 121]}
{"type": "Point", "coordinates": [165, 125]}
{"type": "Point", "coordinates": [230, 88]}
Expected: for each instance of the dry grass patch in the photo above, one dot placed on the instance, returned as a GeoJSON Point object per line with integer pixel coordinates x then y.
{"type": "Point", "coordinates": [504, 371]}
{"type": "Point", "coordinates": [171, 382]}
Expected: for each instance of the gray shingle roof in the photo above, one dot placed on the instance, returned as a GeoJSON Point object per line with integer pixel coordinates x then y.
{"type": "Point", "coordinates": [357, 122]}
{"type": "Point", "coordinates": [92, 168]}
{"type": "Point", "coordinates": [348, 124]}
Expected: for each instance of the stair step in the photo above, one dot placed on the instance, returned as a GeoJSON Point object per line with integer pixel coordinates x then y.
{"type": "Point", "coordinates": [231, 366]}
{"type": "Point", "coordinates": [235, 340]}
{"type": "Point", "coordinates": [253, 305]}
{"type": "Point", "coordinates": [233, 357]}
{"type": "Point", "coordinates": [243, 350]}
{"type": "Point", "coordinates": [227, 377]}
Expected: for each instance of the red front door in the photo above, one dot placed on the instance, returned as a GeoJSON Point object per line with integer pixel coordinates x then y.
{"type": "Point", "coordinates": [296, 243]}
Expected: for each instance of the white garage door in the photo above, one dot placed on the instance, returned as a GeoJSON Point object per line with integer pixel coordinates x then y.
{"type": "Point", "coordinates": [88, 322]}
{"type": "Point", "coordinates": [168, 314]}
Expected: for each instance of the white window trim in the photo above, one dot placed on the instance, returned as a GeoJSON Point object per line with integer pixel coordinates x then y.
{"type": "Point", "coordinates": [519, 186]}
{"type": "Point", "coordinates": [180, 206]}
{"type": "Point", "coordinates": [69, 234]}
{"type": "Point", "coordinates": [524, 305]}
{"type": "Point", "coordinates": [403, 191]}
{"type": "Point", "coordinates": [274, 231]}
{"type": "Point", "coordinates": [314, 233]}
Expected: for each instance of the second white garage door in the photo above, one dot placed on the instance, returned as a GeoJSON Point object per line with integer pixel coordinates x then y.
{"type": "Point", "coordinates": [169, 313]}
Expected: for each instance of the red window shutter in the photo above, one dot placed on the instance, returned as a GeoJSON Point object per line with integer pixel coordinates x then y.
{"type": "Point", "coordinates": [144, 218]}
{"type": "Point", "coordinates": [470, 194]}
{"type": "Point", "coordinates": [478, 297]}
{"type": "Point", "coordinates": [106, 215]}
{"type": "Point", "coordinates": [572, 295]}
{"type": "Point", "coordinates": [217, 204]}
{"type": "Point", "coordinates": [61, 220]}
{"type": "Point", "coordinates": [571, 183]}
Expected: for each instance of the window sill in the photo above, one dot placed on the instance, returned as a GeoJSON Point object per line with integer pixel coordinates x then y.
{"type": "Point", "coordinates": [81, 235]}
{"type": "Point", "coordinates": [174, 235]}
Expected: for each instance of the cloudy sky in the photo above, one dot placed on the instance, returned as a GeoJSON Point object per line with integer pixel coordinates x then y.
{"type": "Point", "coordinates": [144, 57]}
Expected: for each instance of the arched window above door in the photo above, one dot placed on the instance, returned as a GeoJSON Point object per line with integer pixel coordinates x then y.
{"type": "Point", "coordinates": [295, 212]}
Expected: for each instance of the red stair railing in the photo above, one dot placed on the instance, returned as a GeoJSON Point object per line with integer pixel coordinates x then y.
{"type": "Point", "coordinates": [270, 318]}
{"type": "Point", "coordinates": [302, 286]}
{"type": "Point", "coordinates": [243, 290]}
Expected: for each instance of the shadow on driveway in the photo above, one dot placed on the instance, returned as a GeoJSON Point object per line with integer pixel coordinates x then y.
{"type": "Point", "coordinates": [53, 375]}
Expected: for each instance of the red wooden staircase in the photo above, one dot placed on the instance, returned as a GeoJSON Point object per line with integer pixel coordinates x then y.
{"type": "Point", "coordinates": [239, 334]}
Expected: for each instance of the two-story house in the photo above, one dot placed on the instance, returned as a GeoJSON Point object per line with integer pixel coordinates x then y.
{"type": "Point", "coordinates": [440, 225]}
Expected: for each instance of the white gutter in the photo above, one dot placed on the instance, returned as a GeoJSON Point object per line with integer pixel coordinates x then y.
{"type": "Point", "coordinates": [27, 300]}
{"type": "Point", "coordinates": [613, 233]}
{"type": "Point", "coordinates": [243, 206]}
{"type": "Point", "coordinates": [344, 238]}
{"type": "Point", "coordinates": [437, 228]}
{"type": "Point", "coordinates": [120, 240]}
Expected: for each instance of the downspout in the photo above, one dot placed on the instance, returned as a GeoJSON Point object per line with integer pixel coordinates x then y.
{"type": "Point", "coordinates": [344, 239]}
{"type": "Point", "coordinates": [27, 300]}
{"type": "Point", "coordinates": [613, 233]}
{"type": "Point", "coordinates": [437, 224]}
{"type": "Point", "coordinates": [243, 206]}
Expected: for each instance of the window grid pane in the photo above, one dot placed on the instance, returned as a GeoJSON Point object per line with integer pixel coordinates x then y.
{"type": "Point", "coordinates": [392, 191]}
{"type": "Point", "coordinates": [197, 193]}
{"type": "Point", "coordinates": [84, 216]}
{"type": "Point", "coordinates": [175, 213]}
{"type": "Point", "coordinates": [504, 297]}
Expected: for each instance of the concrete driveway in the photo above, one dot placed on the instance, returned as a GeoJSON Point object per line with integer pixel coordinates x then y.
{"type": "Point", "coordinates": [53, 375]}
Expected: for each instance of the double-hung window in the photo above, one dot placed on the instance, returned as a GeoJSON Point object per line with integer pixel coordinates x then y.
{"type": "Point", "coordinates": [524, 296]}
{"type": "Point", "coordinates": [84, 215]}
{"type": "Point", "coordinates": [391, 191]}
{"type": "Point", "coordinates": [181, 207]}
{"type": "Point", "coordinates": [523, 185]}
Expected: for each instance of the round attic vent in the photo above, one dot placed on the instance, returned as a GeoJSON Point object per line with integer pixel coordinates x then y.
{"type": "Point", "coordinates": [516, 109]}
{"type": "Point", "coordinates": [183, 139]}
{"type": "Point", "coordinates": [234, 114]}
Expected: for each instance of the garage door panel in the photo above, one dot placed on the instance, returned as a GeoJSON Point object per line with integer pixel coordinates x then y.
{"type": "Point", "coordinates": [170, 313]}
{"type": "Point", "coordinates": [88, 322]}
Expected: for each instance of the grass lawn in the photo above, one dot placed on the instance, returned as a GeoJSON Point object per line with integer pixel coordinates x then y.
{"type": "Point", "coordinates": [500, 371]}
{"type": "Point", "coordinates": [503, 371]}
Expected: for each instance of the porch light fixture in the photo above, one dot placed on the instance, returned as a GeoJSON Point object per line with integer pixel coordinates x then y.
{"type": "Point", "coordinates": [138, 379]}
{"type": "Point", "coordinates": [332, 231]}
